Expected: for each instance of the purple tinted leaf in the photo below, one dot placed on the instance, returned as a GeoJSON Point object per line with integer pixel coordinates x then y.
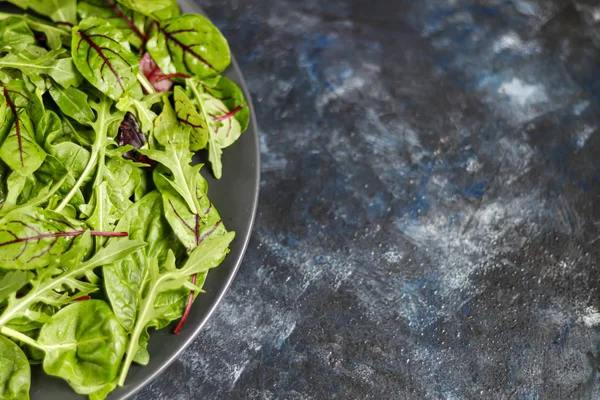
{"type": "Point", "coordinates": [130, 133]}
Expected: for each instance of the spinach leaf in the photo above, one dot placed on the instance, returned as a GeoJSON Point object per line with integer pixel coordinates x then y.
{"type": "Point", "coordinates": [131, 23]}
{"type": "Point", "coordinates": [123, 281]}
{"type": "Point", "coordinates": [15, 373]}
{"type": "Point", "coordinates": [189, 44]}
{"type": "Point", "coordinates": [56, 10]}
{"type": "Point", "coordinates": [65, 273]}
{"type": "Point", "coordinates": [15, 34]}
{"type": "Point", "coordinates": [103, 57]}
{"type": "Point", "coordinates": [209, 254]}
{"type": "Point", "coordinates": [18, 110]}
{"type": "Point", "coordinates": [224, 112]}
{"type": "Point", "coordinates": [12, 281]}
{"type": "Point", "coordinates": [73, 103]}
{"type": "Point", "coordinates": [123, 179]}
{"type": "Point", "coordinates": [84, 344]}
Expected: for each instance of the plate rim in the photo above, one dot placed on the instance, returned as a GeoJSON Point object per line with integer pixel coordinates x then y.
{"type": "Point", "coordinates": [132, 390]}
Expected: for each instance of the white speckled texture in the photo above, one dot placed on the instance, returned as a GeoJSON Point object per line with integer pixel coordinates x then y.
{"type": "Point", "coordinates": [428, 226]}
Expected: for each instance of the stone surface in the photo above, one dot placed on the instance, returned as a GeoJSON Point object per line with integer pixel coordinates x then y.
{"type": "Point", "coordinates": [429, 222]}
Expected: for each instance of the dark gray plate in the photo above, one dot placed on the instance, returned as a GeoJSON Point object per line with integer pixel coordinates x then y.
{"type": "Point", "coordinates": [236, 197]}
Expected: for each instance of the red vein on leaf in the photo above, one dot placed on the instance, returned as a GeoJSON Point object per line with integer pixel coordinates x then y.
{"type": "Point", "coordinates": [128, 21]}
{"type": "Point", "coordinates": [180, 217]}
{"type": "Point", "coordinates": [83, 298]}
{"type": "Point", "coordinates": [188, 308]}
{"type": "Point", "coordinates": [190, 301]}
{"type": "Point", "coordinates": [100, 52]}
{"type": "Point", "coordinates": [186, 49]}
{"type": "Point", "coordinates": [41, 236]}
{"type": "Point", "coordinates": [70, 25]}
{"type": "Point", "coordinates": [228, 115]}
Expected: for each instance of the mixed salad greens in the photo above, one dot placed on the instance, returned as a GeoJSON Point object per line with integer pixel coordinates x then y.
{"type": "Point", "coordinates": [106, 228]}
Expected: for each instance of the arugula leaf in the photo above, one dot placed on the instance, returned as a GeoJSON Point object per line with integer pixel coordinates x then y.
{"type": "Point", "coordinates": [104, 119]}
{"type": "Point", "coordinates": [102, 55]}
{"type": "Point", "coordinates": [189, 44]}
{"type": "Point", "coordinates": [209, 254]}
{"type": "Point", "coordinates": [84, 344]}
{"type": "Point", "coordinates": [65, 272]}
{"type": "Point", "coordinates": [15, 373]}
{"type": "Point", "coordinates": [170, 148]}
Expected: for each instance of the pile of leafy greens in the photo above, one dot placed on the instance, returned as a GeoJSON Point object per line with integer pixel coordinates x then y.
{"type": "Point", "coordinates": [106, 229]}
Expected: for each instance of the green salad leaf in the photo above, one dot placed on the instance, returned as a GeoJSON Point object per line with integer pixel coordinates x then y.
{"type": "Point", "coordinates": [15, 373]}
{"type": "Point", "coordinates": [107, 230]}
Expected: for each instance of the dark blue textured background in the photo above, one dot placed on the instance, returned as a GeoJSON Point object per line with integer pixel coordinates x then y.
{"type": "Point", "coordinates": [429, 220]}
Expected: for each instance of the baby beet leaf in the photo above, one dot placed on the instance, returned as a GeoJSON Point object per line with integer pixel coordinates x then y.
{"type": "Point", "coordinates": [189, 44]}
{"type": "Point", "coordinates": [191, 228]}
{"type": "Point", "coordinates": [154, 75]}
{"type": "Point", "coordinates": [126, 20]}
{"type": "Point", "coordinates": [225, 112]}
{"type": "Point", "coordinates": [65, 273]}
{"type": "Point", "coordinates": [32, 238]}
{"type": "Point", "coordinates": [15, 373]}
{"type": "Point", "coordinates": [84, 344]}
{"type": "Point", "coordinates": [103, 57]}
{"type": "Point", "coordinates": [19, 109]}
{"type": "Point", "coordinates": [189, 117]}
